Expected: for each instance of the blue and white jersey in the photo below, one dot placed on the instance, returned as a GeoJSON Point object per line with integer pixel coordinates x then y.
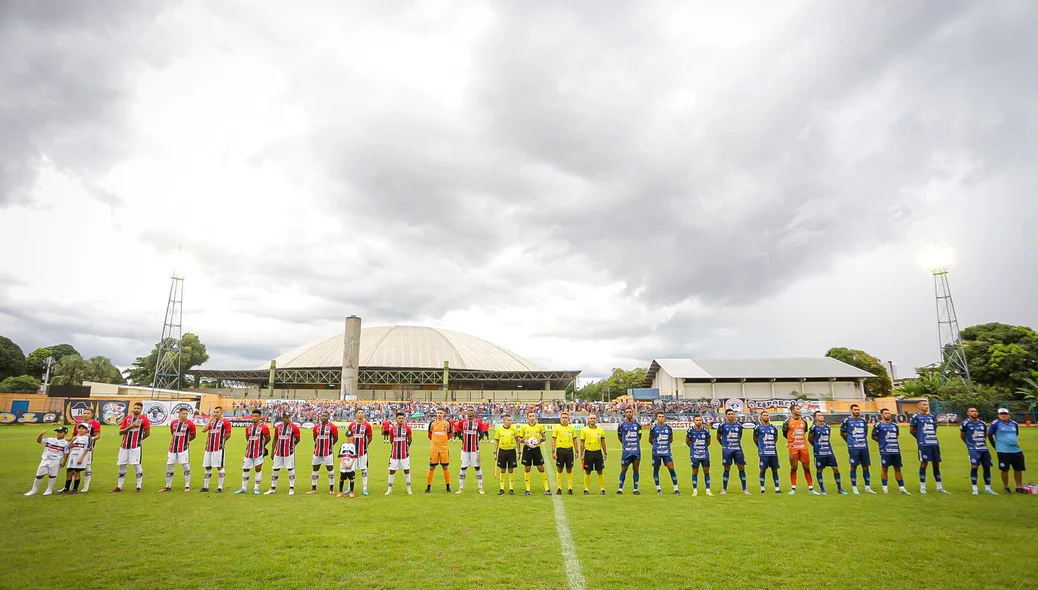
{"type": "Point", "coordinates": [767, 437]}
{"type": "Point", "coordinates": [887, 435]}
{"type": "Point", "coordinates": [660, 437]}
{"type": "Point", "coordinates": [857, 431]}
{"type": "Point", "coordinates": [821, 443]}
{"type": "Point", "coordinates": [630, 437]}
{"type": "Point", "coordinates": [925, 429]}
{"type": "Point", "coordinates": [731, 436]}
{"type": "Point", "coordinates": [697, 443]}
{"type": "Point", "coordinates": [1006, 436]}
{"type": "Point", "coordinates": [975, 433]}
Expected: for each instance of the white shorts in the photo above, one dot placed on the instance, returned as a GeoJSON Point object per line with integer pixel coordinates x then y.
{"type": "Point", "coordinates": [470, 460]}
{"type": "Point", "coordinates": [213, 459]}
{"type": "Point", "coordinates": [250, 462]}
{"type": "Point", "coordinates": [78, 460]}
{"type": "Point", "coordinates": [317, 461]}
{"type": "Point", "coordinates": [361, 463]}
{"type": "Point", "coordinates": [183, 458]}
{"type": "Point", "coordinates": [288, 462]}
{"type": "Point", "coordinates": [129, 456]}
{"type": "Point", "coordinates": [400, 464]}
{"type": "Point", "coordinates": [49, 468]}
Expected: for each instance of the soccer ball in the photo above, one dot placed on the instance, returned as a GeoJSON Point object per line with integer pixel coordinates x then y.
{"type": "Point", "coordinates": [532, 442]}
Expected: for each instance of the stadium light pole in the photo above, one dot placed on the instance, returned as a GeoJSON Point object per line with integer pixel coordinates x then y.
{"type": "Point", "coordinates": [938, 260]}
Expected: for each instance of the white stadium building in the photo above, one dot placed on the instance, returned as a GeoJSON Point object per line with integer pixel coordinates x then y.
{"type": "Point", "coordinates": [773, 378]}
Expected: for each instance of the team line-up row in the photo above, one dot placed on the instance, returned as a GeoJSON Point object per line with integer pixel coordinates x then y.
{"type": "Point", "coordinates": [523, 444]}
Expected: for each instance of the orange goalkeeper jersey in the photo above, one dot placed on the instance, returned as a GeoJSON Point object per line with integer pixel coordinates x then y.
{"type": "Point", "coordinates": [439, 433]}
{"type": "Point", "coordinates": [795, 431]}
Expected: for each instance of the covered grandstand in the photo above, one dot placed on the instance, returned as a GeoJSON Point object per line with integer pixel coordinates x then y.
{"type": "Point", "coordinates": [398, 363]}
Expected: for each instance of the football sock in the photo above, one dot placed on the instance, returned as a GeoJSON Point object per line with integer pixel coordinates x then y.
{"type": "Point", "coordinates": [774, 475]}
{"type": "Point", "coordinates": [854, 478]}
{"type": "Point", "coordinates": [569, 479]}
{"type": "Point", "coordinates": [258, 480]}
{"type": "Point", "coordinates": [342, 482]}
{"type": "Point", "coordinates": [973, 476]}
{"type": "Point", "coordinates": [352, 480]}
{"type": "Point", "coordinates": [742, 479]}
{"type": "Point", "coordinates": [391, 476]}
{"type": "Point", "coordinates": [207, 477]}
{"type": "Point", "coordinates": [274, 479]}
{"type": "Point", "coordinates": [868, 477]}
{"type": "Point", "coordinates": [807, 476]}
{"type": "Point", "coordinates": [364, 478]}
{"type": "Point", "coordinates": [169, 475]}
{"type": "Point", "coordinates": [461, 478]}
{"type": "Point", "coordinates": [623, 478]}
{"type": "Point", "coordinates": [291, 478]}
{"type": "Point", "coordinates": [544, 479]}
{"type": "Point", "coordinates": [674, 477]}
{"type": "Point", "coordinates": [987, 476]}
{"type": "Point", "coordinates": [724, 480]}
{"type": "Point", "coordinates": [601, 481]}
{"type": "Point", "coordinates": [86, 478]}
{"type": "Point", "coordinates": [68, 483]}
{"type": "Point", "coordinates": [762, 471]}
{"type": "Point", "coordinates": [407, 480]}
{"type": "Point", "coordinates": [331, 480]}
{"type": "Point", "coordinates": [839, 484]}
{"type": "Point", "coordinates": [75, 484]}
{"type": "Point", "coordinates": [656, 474]}
{"type": "Point", "coordinates": [244, 479]}
{"type": "Point", "coordinates": [526, 480]}
{"type": "Point", "coordinates": [636, 475]}
{"type": "Point", "coordinates": [587, 481]}
{"type": "Point", "coordinates": [429, 478]}
{"type": "Point", "coordinates": [187, 476]}
{"type": "Point", "coordinates": [821, 483]}
{"type": "Point", "coordinates": [447, 477]}
{"type": "Point", "coordinates": [50, 484]}
{"type": "Point", "coordinates": [313, 480]}
{"type": "Point", "coordinates": [706, 480]}
{"type": "Point", "coordinates": [900, 483]}
{"type": "Point", "coordinates": [479, 478]}
{"type": "Point", "coordinates": [695, 481]}
{"type": "Point", "coordinates": [793, 478]}
{"type": "Point", "coordinates": [140, 474]}
{"type": "Point", "coordinates": [937, 474]}
{"type": "Point", "coordinates": [884, 482]}
{"type": "Point", "coordinates": [501, 481]}
{"type": "Point", "coordinates": [922, 475]}
{"type": "Point", "coordinates": [122, 476]}
{"type": "Point", "coordinates": [36, 482]}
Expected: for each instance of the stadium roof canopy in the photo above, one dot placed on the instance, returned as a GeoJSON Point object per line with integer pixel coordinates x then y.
{"type": "Point", "coordinates": [773, 368]}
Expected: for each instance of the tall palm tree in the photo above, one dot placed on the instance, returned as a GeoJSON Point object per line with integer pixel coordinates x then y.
{"type": "Point", "coordinates": [70, 370]}
{"type": "Point", "coordinates": [102, 370]}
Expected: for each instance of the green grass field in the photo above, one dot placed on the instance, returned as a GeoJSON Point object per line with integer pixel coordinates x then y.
{"type": "Point", "coordinates": [197, 540]}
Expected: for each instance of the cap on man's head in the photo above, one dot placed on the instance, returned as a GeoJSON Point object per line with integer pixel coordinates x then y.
{"type": "Point", "coordinates": [1003, 410]}
{"type": "Point", "coordinates": [283, 416]}
{"type": "Point", "coordinates": [83, 426]}
{"type": "Point", "coordinates": [61, 429]}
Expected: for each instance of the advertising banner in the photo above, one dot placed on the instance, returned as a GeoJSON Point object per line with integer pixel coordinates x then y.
{"type": "Point", "coordinates": [22, 417]}
{"type": "Point", "coordinates": [162, 413]}
{"type": "Point", "coordinates": [112, 411]}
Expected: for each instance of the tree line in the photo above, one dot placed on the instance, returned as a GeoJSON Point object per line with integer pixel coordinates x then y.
{"type": "Point", "coordinates": [20, 373]}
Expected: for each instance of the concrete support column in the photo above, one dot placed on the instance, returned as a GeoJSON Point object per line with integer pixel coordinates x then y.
{"type": "Point", "coordinates": [713, 389]}
{"type": "Point", "coordinates": [802, 385]}
{"type": "Point", "coordinates": [350, 359]}
{"type": "Point", "coordinates": [772, 389]}
{"type": "Point", "coordinates": [742, 388]}
{"type": "Point", "coordinates": [270, 380]}
{"type": "Point", "coordinates": [446, 380]}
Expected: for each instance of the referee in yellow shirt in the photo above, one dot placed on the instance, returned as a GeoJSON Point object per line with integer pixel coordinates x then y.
{"type": "Point", "coordinates": [504, 452]}
{"type": "Point", "coordinates": [593, 453]}
{"type": "Point", "coordinates": [562, 436]}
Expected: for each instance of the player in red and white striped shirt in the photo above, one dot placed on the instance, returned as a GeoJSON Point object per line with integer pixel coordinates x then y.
{"type": "Point", "coordinates": [183, 432]}
{"type": "Point", "coordinates": [469, 433]}
{"type": "Point", "coordinates": [134, 429]}
{"type": "Point", "coordinates": [400, 454]}
{"type": "Point", "coordinates": [257, 435]}
{"type": "Point", "coordinates": [219, 430]}
{"type": "Point", "coordinates": [361, 430]}
{"type": "Point", "coordinates": [94, 432]}
{"type": "Point", "coordinates": [286, 437]}
{"type": "Point", "coordinates": [326, 435]}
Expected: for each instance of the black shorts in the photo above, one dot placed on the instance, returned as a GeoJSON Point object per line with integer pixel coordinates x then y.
{"type": "Point", "coordinates": [593, 461]}
{"type": "Point", "coordinates": [75, 469]}
{"type": "Point", "coordinates": [506, 459]}
{"type": "Point", "coordinates": [564, 458]}
{"type": "Point", "coordinates": [1014, 461]}
{"type": "Point", "coordinates": [532, 457]}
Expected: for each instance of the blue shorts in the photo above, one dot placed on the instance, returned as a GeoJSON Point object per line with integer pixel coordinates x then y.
{"type": "Point", "coordinates": [697, 463]}
{"type": "Point", "coordinates": [890, 460]}
{"type": "Point", "coordinates": [980, 458]}
{"type": "Point", "coordinates": [826, 461]}
{"type": "Point", "coordinates": [930, 454]}
{"type": "Point", "coordinates": [769, 462]}
{"type": "Point", "coordinates": [628, 457]}
{"type": "Point", "coordinates": [860, 457]}
{"type": "Point", "coordinates": [658, 460]}
{"type": "Point", "coordinates": [728, 457]}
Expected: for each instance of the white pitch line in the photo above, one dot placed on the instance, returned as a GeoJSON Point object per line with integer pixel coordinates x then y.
{"type": "Point", "coordinates": [569, 548]}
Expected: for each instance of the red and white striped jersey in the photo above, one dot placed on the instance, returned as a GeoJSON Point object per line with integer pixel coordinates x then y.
{"type": "Point", "coordinates": [218, 434]}
{"type": "Point", "coordinates": [361, 435]}
{"type": "Point", "coordinates": [80, 444]}
{"type": "Point", "coordinates": [93, 429]}
{"type": "Point", "coordinates": [400, 434]}
{"type": "Point", "coordinates": [323, 438]}
{"type": "Point", "coordinates": [470, 436]}
{"type": "Point", "coordinates": [181, 432]}
{"type": "Point", "coordinates": [133, 438]}
{"type": "Point", "coordinates": [254, 440]}
{"type": "Point", "coordinates": [285, 440]}
{"type": "Point", "coordinates": [54, 448]}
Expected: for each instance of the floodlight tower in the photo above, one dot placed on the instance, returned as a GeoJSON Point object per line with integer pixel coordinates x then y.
{"type": "Point", "coordinates": [937, 259]}
{"type": "Point", "coordinates": [167, 363]}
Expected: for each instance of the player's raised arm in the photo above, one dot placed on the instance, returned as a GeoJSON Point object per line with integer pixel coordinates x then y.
{"type": "Point", "coordinates": [39, 439]}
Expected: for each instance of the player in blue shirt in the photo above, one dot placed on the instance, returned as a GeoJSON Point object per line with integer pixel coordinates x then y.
{"type": "Point", "coordinates": [729, 435]}
{"type": "Point", "coordinates": [885, 433]}
{"type": "Point", "coordinates": [630, 433]}
{"type": "Point", "coordinates": [1003, 434]}
{"type": "Point", "coordinates": [819, 437]}
{"type": "Point", "coordinates": [765, 436]}
{"type": "Point", "coordinates": [855, 430]}
{"type": "Point", "coordinates": [698, 440]}
{"type": "Point", "coordinates": [972, 430]}
{"type": "Point", "coordinates": [923, 426]}
{"type": "Point", "coordinates": [660, 437]}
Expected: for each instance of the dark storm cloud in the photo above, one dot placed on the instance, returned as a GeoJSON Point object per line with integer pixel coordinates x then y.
{"type": "Point", "coordinates": [65, 77]}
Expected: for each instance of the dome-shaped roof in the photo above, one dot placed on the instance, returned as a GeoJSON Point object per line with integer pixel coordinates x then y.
{"type": "Point", "coordinates": [414, 347]}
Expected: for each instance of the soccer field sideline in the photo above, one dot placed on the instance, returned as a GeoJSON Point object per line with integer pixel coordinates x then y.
{"type": "Point", "coordinates": [593, 523]}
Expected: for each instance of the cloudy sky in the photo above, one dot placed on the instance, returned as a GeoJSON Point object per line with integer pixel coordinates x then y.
{"type": "Point", "coordinates": [589, 187]}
